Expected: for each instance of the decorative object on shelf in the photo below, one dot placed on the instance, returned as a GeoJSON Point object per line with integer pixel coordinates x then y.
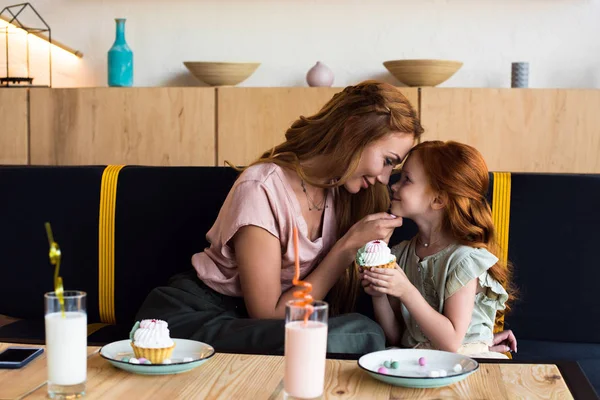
{"type": "Point", "coordinates": [221, 73]}
{"type": "Point", "coordinates": [422, 72]}
{"type": "Point", "coordinates": [320, 75]}
{"type": "Point", "coordinates": [120, 59]}
{"type": "Point", "coordinates": [519, 77]}
{"type": "Point", "coordinates": [17, 36]}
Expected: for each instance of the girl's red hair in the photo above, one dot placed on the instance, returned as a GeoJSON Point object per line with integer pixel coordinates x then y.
{"type": "Point", "coordinates": [459, 173]}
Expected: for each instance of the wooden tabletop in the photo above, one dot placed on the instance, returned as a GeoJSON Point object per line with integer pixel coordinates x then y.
{"type": "Point", "coordinates": [238, 376]}
{"type": "Point", "coordinates": [17, 383]}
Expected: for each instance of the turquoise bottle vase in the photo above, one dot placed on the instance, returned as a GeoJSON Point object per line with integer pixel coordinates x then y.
{"type": "Point", "coordinates": [120, 59]}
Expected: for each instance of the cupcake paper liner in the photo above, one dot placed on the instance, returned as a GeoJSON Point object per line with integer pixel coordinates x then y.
{"type": "Point", "coordinates": [156, 356]}
{"type": "Point", "coordinates": [391, 264]}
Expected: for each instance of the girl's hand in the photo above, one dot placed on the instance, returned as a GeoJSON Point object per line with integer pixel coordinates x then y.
{"type": "Point", "coordinates": [368, 288]}
{"type": "Point", "coordinates": [392, 281]}
{"type": "Point", "coordinates": [372, 227]}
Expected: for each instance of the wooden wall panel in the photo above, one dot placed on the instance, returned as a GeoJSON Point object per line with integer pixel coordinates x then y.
{"type": "Point", "coordinates": [143, 126]}
{"type": "Point", "coordinates": [527, 130]}
{"type": "Point", "coordinates": [13, 126]}
{"type": "Point", "coordinates": [252, 120]}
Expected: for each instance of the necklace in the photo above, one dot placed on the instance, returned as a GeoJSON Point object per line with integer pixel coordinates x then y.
{"type": "Point", "coordinates": [426, 244]}
{"type": "Point", "coordinates": [320, 206]}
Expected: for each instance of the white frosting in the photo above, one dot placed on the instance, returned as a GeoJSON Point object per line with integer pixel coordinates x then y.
{"type": "Point", "coordinates": [152, 334]}
{"type": "Point", "coordinates": [376, 253]}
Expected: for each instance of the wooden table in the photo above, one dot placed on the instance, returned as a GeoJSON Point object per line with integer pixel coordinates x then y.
{"type": "Point", "coordinates": [237, 376]}
{"type": "Point", "coordinates": [18, 383]}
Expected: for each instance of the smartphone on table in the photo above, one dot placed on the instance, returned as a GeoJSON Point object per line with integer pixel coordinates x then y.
{"type": "Point", "coordinates": [18, 357]}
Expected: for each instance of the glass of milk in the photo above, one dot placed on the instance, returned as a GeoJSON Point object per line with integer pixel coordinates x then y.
{"type": "Point", "coordinates": [305, 350]}
{"type": "Point", "coordinates": [66, 344]}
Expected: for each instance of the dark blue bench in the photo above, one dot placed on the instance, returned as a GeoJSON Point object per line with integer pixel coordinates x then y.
{"type": "Point", "coordinates": [161, 216]}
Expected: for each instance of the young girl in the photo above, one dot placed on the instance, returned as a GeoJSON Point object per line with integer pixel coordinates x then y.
{"type": "Point", "coordinates": [448, 284]}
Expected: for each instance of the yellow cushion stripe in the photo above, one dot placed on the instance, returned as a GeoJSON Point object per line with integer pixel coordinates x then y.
{"type": "Point", "coordinates": [501, 218]}
{"type": "Point", "coordinates": [106, 243]}
{"type": "Point", "coordinates": [91, 328]}
{"type": "Point", "coordinates": [501, 211]}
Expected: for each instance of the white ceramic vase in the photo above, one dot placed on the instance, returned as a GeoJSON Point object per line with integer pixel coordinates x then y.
{"type": "Point", "coordinates": [319, 75]}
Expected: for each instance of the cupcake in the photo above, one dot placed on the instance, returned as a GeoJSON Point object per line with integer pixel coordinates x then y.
{"type": "Point", "coordinates": [375, 254]}
{"type": "Point", "coordinates": [150, 340]}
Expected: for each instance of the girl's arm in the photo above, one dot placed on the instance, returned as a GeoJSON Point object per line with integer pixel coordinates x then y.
{"type": "Point", "coordinates": [258, 256]}
{"type": "Point", "coordinates": [384, 314]}
{"type": "Point", "coordinates": [445, 331]}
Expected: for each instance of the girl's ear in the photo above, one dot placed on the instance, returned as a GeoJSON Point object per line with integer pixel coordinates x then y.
{"type": "Point", "coordinates": [439, 201]}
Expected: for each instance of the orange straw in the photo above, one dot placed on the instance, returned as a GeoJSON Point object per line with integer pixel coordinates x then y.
{"type": "Point", "coordinates": [303, 295]}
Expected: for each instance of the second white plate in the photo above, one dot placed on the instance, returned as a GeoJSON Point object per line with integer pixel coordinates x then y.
{"type": "Point", "coordinates": [440, 367]}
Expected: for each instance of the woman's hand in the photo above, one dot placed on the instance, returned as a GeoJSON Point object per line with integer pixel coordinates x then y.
{"type": "Point", "coordinates": [392, 281]}
{"type": "Point", "coordinates": [504, 341]}
{"type": "Point", "coordinates": [372, 227]}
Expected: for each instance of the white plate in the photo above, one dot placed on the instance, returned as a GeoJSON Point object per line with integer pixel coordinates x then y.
{"type": "Point", "coordinates": [410, 374]}
{"type": "Point", "coordinates": [198, 351]}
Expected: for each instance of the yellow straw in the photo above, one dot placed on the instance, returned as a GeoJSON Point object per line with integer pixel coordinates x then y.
{"type": "Point", "coordinates": [54, 255]}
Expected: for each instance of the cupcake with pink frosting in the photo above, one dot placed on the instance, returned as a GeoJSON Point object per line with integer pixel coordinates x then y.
{"type": "Point", "coordinates": [375, 254]}
{"type": "Point", "coordinates": [150, 340]}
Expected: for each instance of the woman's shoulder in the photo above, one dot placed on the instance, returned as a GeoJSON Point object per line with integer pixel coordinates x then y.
{"type": "Point", "coordinates": [261, 184]}
{"type": "Point", "coordinates": [262, 173]}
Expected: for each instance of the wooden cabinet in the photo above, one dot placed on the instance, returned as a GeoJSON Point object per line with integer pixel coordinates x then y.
{"type": "Point", "coordinates": [527, 130]}
{"type": "Point", "coordinates": [14, 138]}
{"type": "Point", "coordinates": [146, 126]}
{"type": "Point", "coordinates": [252, 120]}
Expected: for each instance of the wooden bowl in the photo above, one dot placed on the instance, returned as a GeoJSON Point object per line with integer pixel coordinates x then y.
{"type": "Point", "coordinates": [221, 73]}
{"type": "Point", "coordinates": [422, 72]}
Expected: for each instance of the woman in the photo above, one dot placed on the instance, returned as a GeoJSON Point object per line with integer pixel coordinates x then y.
{"type": "Point", "coordinates": [329, 178]}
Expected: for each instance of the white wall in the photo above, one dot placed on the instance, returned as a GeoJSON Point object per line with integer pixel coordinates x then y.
{"type": "Point", "coordinates": [560, 38]}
